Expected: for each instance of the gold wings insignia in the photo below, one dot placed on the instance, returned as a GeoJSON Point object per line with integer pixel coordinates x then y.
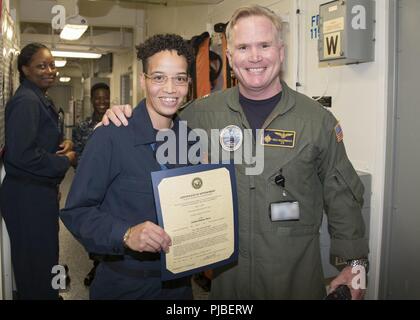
{"type": "Point", "coordinates": [284, 135]}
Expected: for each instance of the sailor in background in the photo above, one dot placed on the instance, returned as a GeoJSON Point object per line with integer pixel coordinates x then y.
{"type": "Point", "coordinates": [36, 159]}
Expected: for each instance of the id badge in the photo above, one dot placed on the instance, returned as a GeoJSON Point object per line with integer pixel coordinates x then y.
{"type": "Point", "coordinates": [284, 211]}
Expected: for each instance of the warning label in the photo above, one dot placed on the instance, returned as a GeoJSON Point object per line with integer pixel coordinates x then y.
{"type": "Point", "coordinates": [333, 25]}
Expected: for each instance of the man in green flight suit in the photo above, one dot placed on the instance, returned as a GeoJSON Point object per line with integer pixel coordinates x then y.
{"type": "Point", "coordinates": [306, 171]}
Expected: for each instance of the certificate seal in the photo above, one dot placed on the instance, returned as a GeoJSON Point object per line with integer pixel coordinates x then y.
{"type": "Point", "coordinates": [231, 138]}
{"type": "Point", "coordinates": [197, 183]}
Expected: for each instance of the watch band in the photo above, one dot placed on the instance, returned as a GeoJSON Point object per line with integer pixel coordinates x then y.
{"type": "Point", "coordinates": [359, 262]}
{"type": "Point", "coordinates": [126, 236]}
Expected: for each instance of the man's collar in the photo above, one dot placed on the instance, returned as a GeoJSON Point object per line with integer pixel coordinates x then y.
{"type": "Point", "coordinates": [286, 102]}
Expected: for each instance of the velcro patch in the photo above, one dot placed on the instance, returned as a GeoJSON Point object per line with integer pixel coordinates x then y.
{"type": "Point", "coordinates": [278, 138]}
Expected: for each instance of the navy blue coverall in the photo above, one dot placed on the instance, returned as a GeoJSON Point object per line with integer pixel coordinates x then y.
{"type": "Point", "coordinates": [28, 195]}
{"type": "Point", "coordinates": [112, 191]}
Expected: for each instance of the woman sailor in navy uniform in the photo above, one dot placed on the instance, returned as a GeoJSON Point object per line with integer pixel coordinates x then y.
{"type": "Point", "coordinates": [36, 159]}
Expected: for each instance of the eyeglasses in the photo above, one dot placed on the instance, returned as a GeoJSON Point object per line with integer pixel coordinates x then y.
{"type": "Point", "coordinates": [161, 79]}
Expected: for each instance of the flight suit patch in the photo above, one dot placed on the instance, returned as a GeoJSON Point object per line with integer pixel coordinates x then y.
{"type": "Point", "coordinates": [231, 138]}
{"type": "Point", "coordinates": [338, 132]}
{"type": "Point", "coordinates": [278, 138]}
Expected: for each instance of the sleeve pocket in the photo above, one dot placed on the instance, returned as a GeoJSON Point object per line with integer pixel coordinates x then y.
{"type": "Point", "coordinates": [347, 174]}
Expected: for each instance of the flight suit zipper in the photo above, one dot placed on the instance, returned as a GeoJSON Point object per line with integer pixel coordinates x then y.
{"type": "Point", "coordinates": [245, 125]}
{"type": "Point", "coordinates": [251, 233]}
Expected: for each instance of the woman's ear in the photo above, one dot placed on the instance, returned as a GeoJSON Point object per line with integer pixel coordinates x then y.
{"type": "Point", "coordinates": [25, 70]}
{"type": "Point", "coordinates": [142, 81]}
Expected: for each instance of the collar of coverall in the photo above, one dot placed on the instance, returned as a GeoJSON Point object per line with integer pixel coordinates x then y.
{"type": "Point", "coordinates": [45, 100]}
{"type": "Point", "coordinates": [142, 125]}
{"type": "Point", "coordinates": [142, 128]}
{"type": "Point", "coordinates": [286, 102]}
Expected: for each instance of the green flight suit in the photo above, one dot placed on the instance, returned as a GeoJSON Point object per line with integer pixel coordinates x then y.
{"type": "Point", "coordinates": [282, 260]}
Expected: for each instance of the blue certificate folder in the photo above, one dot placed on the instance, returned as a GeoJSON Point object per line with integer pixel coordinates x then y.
{"type": "Point", "coordinates": [157, 178]}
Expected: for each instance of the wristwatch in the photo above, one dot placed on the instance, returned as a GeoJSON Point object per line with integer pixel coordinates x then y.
{"type": "Point", "coordinates": [359, 262]}
{"type": "Point", "coordinates": [126, 236]}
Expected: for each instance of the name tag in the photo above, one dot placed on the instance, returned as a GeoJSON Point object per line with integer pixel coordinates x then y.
{"type": "Point", "coordinates": [284, 211]}
{"type": "Point", "coordinates": [278, 138]}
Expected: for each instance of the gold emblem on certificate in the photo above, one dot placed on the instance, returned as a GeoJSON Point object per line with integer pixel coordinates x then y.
{"type": "Point", "coordinates": [197, 183]}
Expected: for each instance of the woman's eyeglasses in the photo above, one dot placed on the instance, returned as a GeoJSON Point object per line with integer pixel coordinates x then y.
{"type": "Point", "coordinates": [161, 79]}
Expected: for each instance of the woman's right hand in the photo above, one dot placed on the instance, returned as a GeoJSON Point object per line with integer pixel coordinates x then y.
{"type": "Point", "coordinates": [149, 237]}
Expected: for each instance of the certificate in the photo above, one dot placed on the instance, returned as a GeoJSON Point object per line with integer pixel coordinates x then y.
{"type": "Point", "coordinates": [197, 207]}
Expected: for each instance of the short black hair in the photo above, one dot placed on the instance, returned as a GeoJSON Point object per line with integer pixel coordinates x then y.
{"type": "Point", "coordinates": [162, 42]}
{"type": "Point", "coordinates": [100, 85]}
{"type": "Point", "coordinates": [25, 57]}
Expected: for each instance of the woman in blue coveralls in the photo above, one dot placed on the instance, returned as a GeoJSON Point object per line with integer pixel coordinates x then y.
{"type": "Point", "coordinates": [36, 159]}
{"type": "Point", "coordinates": [110, 208]}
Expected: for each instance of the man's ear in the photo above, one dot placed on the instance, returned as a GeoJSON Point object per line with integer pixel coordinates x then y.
{"type": "Point", "coordinates": [281, 53]}
{"type": "Point", "coordinates": [229, 56]}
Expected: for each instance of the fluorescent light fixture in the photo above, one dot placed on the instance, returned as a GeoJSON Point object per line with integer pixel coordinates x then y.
{"type": "Point", "coordinates": [65, 79]}
{"type": "Point", "coordinates": [75, 54]}
{"type": "Point", "coordinates": [74, 28]}
{"type": "Point", "coordinates": [59, 63]}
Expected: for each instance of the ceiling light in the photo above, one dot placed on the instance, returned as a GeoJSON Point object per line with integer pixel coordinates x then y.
{"type": "Point", "coordinates": [59, 63]}
{"type": "Point", "coordinates": [74, 28]}
{"type": "Point", "coordinates": [75, 54]}
{"type": "Point", "coordinates": [65, 79]}
{"type": "Point", "coordinates": [9, 33]}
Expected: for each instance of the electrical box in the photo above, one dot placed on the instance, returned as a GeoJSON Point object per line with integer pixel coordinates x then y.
{"type": "Point", "coordinates": [346, 32]}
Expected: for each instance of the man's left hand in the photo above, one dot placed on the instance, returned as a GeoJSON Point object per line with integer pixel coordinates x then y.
{"type": "Point", "coordinates": [345, 277]}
